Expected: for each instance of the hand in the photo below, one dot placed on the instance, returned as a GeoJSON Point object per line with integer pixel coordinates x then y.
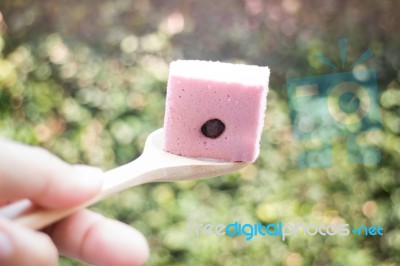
{"type": "Point", "coordinates": [33, 173]}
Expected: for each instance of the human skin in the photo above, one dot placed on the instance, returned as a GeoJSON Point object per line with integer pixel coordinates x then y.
{"type": "Point", "coordinates": [33, 173]}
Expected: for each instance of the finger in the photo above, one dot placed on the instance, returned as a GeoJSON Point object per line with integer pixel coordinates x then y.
{"type": "Point", "coordinates": [34, 173]}
{"type": "Point", "coordinates": [97, 240]}
{"type": "Point", "coordinates": [6, 201]}
{"type": "Point", "coordinates": [24, 247]}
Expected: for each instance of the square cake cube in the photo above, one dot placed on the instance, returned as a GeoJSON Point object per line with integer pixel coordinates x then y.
{"type": "Point", "coordinates": [215, 110]}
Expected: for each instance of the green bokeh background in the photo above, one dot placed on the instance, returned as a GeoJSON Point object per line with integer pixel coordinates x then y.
{"type": "Point", "coordinates": [87, 80]}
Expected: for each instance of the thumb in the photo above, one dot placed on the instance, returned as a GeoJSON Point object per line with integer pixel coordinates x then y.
{"type": "Point", "coordinates": [22, 246]}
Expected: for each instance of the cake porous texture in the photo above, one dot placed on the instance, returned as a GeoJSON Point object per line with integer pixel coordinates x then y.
{"type": "Point", "coordinates": [215, 110]}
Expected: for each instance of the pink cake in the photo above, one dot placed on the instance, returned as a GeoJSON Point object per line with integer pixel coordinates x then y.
{"type": "Point", "coordinates": [215, 110]}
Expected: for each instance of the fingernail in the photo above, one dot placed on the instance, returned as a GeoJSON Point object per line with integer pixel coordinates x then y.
{"type": "Point", "coordinates": [5, 246]}
{"type": "Point", "coordinates": [89, 177]}
{"type": "Point", "coordinates": [86, 170]}
{"type": "Point", "coordinates": [85, 178]}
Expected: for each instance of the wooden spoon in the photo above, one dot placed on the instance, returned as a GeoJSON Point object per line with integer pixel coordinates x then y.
{"type": "Point", "coordinates": [154, 165]}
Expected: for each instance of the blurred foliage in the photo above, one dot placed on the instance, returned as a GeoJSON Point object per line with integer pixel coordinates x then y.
{"type": "Point", "coordinates": [87, 79]}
